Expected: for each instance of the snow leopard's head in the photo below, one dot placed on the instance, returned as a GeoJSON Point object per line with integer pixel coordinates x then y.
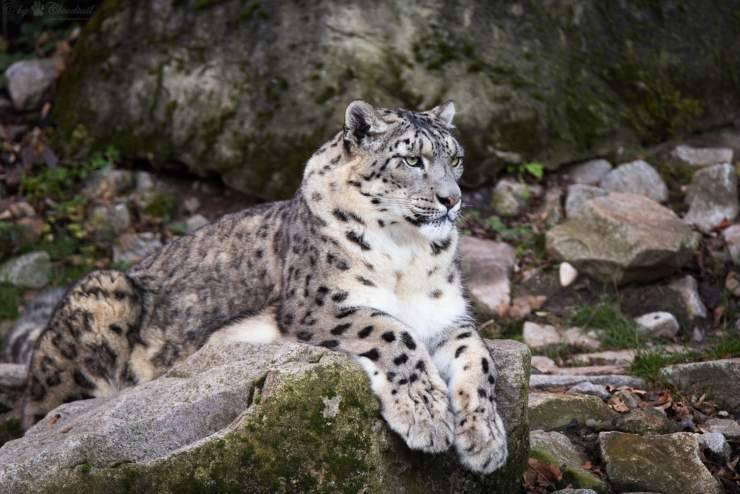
{"type": "Point", "coordinates": [406, 164]}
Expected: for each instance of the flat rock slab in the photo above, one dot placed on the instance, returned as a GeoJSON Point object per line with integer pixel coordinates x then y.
{"type": "Point", "coordinates": [666, 464]}
{"type": "Point", "coordinates": [555, 411]}
{"type": "Point", "coordinates": [719, 379]}
{"type": "Point", "coordinates": [623, 237]}
{"type": "Point", "coordinates": [244, 418]}
{"type": "Point", "coordinates": [543, 381]}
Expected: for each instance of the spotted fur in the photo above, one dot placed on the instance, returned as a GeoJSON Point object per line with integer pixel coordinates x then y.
{"type": "Point", "coordinates": [362, 260]}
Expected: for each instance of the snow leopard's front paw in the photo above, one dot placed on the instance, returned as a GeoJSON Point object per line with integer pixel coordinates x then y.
{"type": "Point", "coordinates": [419, 412]}
{"type": "Point", "coordinates": [480, 437]}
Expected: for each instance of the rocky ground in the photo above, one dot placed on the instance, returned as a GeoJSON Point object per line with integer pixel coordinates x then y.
{"type": "Point", "coordinates": [622, 279]}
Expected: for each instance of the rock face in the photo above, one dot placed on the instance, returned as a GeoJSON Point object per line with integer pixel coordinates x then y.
{"type": "Point", "coordinates": [30, 270]}
{"type": "Point", "coordinates": [556, 449]}
{"type": "Point", "coordinates": [623, 237]}
{"type": "Point", "coordinates": [242, 418]}
{"type": "Point", "coordinates": [712, 197]}
{"type": "Point", "coordinates": [29, 81]}
{"type": "Point", "coordinates": [637, 177]}
{"type": "Point", "coordinates": [665, 464]}
{"type": "Point", "coordinates": [262, 85]}
{"type": "Point", "coordinates": [719, 379]}
{"type": "Point", "coordinates": [487, 266]}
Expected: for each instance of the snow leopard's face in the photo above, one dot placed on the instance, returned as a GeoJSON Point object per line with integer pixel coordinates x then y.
{"type": "Point", "coordinates": [410, 164]}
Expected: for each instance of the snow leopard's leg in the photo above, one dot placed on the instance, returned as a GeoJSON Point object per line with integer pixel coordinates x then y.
{"type": "Point", "coordinates": [465, 362]}
{"type": "Point", "coordinates": [84, 351]}
{"type": "Point", "coordinates": [413, 397]}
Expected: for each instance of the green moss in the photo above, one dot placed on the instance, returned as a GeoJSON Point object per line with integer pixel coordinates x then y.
{"type": "Point", "coordinates": [10, 299]}
{"type": "Point", "coordinates": [161, 206]}
{"type": "Point", "coordinates": [204, 4]}
{"type": "Point", "coordinates": [14, 238]}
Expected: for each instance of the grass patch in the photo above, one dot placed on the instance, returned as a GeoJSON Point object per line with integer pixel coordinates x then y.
{"type": "Point", "coordinates": [725, 348]}
{"type": "Point", "coordinates": [10, 299]}
{"type": "Point", "coordinates": [615, 330]}
{"type": "Point", "coordinates": [647, 364]}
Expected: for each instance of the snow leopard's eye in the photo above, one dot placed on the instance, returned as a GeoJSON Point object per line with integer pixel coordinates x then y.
{"type": "Point", "coordinates": [413, 161]}
{"type": "Point", "coordinates": [456, 162]}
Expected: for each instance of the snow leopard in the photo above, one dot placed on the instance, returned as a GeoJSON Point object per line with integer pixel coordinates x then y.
{"type": "Point", "coordinates": [362, 260]}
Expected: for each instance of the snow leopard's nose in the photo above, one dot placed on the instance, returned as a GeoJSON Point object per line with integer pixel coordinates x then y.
{"type": "Point", "coordinates": [448, 201]}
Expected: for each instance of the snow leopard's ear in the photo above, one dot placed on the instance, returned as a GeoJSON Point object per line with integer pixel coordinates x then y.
{"type": "Point", "coordinates": [362, 120]}
{"type": "Point", "coordinates": [444, 113]}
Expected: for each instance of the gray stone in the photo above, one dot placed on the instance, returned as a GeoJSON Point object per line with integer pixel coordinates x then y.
{"type": "Point", "coordinates": [551, 211]}
{"type": "Point", "coordinates": [623, 237]}
{"type": "Point", "coordinates": [36, 314]}
{"type": "Point", "coordinates": [144, 181]}
{"type": "Point", "coordinates": [542, 364]}
{"type": "Point", "coordinates": [238, 417]}
{"type": "Point", "coordinates": [702, 156]}
{"type": "Point", "coordinates": [608, 357]}
{"type": "Point", "coordinates": [575, 491]}
{"type": "Point", "coordinates": [715, 445]}
{"type": "Point", "coordinates": [578, 195]}
{"type": "Point", "coordinates": [29, 81]}
{"type": "Point", "coordinates": [544, 382]}
{"type": "Point", "coordinates": [688, 291]}
{"type": "Point", "coordinates": [108, 221]}
{"type": "Point", "coordinates": [661, 463]}
{"type": "Point", "coordinates": [712, 197]}
{"type": "Point", "coordinates": [30, 270]}
{"type": "Point", "coordinates": [555, 411]}
{"type": "Point", "coordinates": [727, 427]}
{"type": "Point", "coordinates": [589, 388]}
{"type": "Point", "coordinates": [487, 266]}
{"type": "Point", "coordinates": [718, 379]}
{"type": "Point", "coordinates": [556, 449]}
{"type": "Point", "coordinates": [511, 198]}
{"type": "Point", "coordinates": [539, 336]}
{"type": "Point", "coordinates": [194, 222]}
{"type": "Point", "coordinates": [581, 339]}
{"type": "Point", "coordinates": [732, 239]}
{"type": "Point", "coordinates": [588, 173]}
{"type": "Point", "coordinates": [645, 420]}
{"type": "Point", "coordinates": [191, 205]}
{"type": "Point", "coordinates": [657, 325]}
{"type": "Point", "coordinates": [133, 247]}
{"type": "Point", "coordinates": [636, 177]}
{"type": "Point", "coordinates": [108, 183]}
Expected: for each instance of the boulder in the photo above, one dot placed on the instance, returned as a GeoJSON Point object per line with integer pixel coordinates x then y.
{"type": "Point", "coordinates": [555, 411]}
{"type": "Point", "coordinates": [262, 85]}
{"type": "Point", "coordinates": [715, 445]}
{"type": "Point", "coordinates": [589, 173]}
{"type": "Point", "coordinates": [687, 289]}
{"type": "Point", "coordinates": [29, 81]}
{"type": "Point", "coordinates": [727, 427]}
{"type": "Point", "coordinates": [578, 194]}
{"type": "Point", "coordinates": [243, 418]}
{"type": "Point", "coordinates": [657, 325]}
{"type": "Point", "coordinates": [636, 177]}
{"type": "Point", "coordinates": [512, 197]}
{"type": "Point", "coordinates": [556, 449]}
{"type": "Point", "coordinates": [487, 266]}
{"type": "Point", "coordinates": [30, 270]}
{"type": "Point", "coordinates": [623, 237]}
{"type": "Point", "coordinates": [667, 464]}
{"type": "Point", "coordinates": [645, 420]}
{"type": "Point", "coordinates": [712, 197]}
{"type": "Point", "coordinates": [718, 379]}
{"type": "Point", "coordinates": [702, 156]}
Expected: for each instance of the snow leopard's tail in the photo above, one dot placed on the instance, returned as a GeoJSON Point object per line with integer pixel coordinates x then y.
{"type": "Point", "coordinates": [84, 351]}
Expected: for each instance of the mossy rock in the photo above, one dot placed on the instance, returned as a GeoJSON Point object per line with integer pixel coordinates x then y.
{"type": "Point", "coordinates": [289, 418]}
{"type": "Point", "coordinates": [248, 90]}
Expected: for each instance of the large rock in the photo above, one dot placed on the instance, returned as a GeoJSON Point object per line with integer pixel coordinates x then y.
{"type": "Point", "coordinates": [555, 411]}
{"type": "Point", "coordinates": [718, 379]}
{"type": "Point", "coordinates": [261, 85]}
{"type": "Point", "coordinates": [243, 418]}
{"type": "Point", "coordinates": [702, 156]}
{"type": "Point", "coordinates": [578, 194]}
{"type": "Point", "coordinates": [29, 81]}
{"type": "Point", "coordinates": [589, 173]}
{"type": "Point", "coordinates": [712, 197]}
{"type": "Point", "coordinates": [30, 270]}
{"type": "Point", "coordinates": [665, 464]}
{"type": "Point", "coordinates": [487, 266]}
{"type": "Point", "coordinates": [637, 177]}
{"type": "Point", "coordinates": [623, 237]}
